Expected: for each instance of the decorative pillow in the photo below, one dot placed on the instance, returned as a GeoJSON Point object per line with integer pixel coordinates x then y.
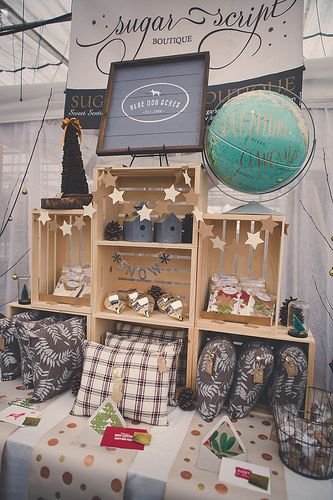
{"type": "Point", "coordinates": [22, 334]}
{"type": "Point", "coordinates": [57, 353]}
{"type": "Point", "coordinates": [170, 334]}
{"type": "Point", "coordinates": [10, 360]}
{"type": "Point", "coordinates": [151, 345]}
{"type": "Point", "coordinates": [291, 368]}
{"type": "Point", "coordinates": [254, 367]}
{"type": "Point", "coordinates": [134, 379]}
{"type": "Point", "coordinates": [215, 373]}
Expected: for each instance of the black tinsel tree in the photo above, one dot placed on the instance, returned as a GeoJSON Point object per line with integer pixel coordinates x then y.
{"type": "Point", "coordinates": [73, 177]}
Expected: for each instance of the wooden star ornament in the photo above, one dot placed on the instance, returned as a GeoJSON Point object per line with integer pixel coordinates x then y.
{"type": "Point", "coordinates": [187, 178]}
{"type": "Point", "coordinates": [89, 210]}
{"type": "Point", "coordinates": [171, 193]}
{"type": "Point", "coordinates": [144, 213]}
{"type": "Point", "coordinates": [191, 197]}
{"type": "Point", "coordinates": [109, 180]}
{"type": "Point", "coordinates": [79, 222]}
{"type": "Point", "coordinates": [268, 224]}
{"type": "Point", "coordinates": [254, 239]}
{"type": "Point", "coordinates": [44, 217]}
{"type": "Point", "coordinates": [198, 214]}
{"type": "Point", "coordinates": [116, 196]}
{"type": "Point", "coordinates": [218, 243]}
{"type": "Point", "coordinates": [161, 207]}
{"type": "Point", "coordinates": [205, 230]}
{"type": "Point", "coordinates": [66, 228]}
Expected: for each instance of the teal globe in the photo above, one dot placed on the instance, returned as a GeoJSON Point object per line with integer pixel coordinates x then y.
{"type": "Point", "coordinates": [257, 142]}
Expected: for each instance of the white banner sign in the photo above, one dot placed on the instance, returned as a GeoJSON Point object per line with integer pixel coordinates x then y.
{"type": "Point", "coordinates": [246, 38]}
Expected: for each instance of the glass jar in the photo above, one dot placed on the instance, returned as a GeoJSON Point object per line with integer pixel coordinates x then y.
{"type": "Point", "coordinates": [24, 292]}
{"type": "Point", "coordinates": [298, 318]}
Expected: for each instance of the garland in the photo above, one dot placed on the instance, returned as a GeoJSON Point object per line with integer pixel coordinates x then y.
{"type": "Point", "coordinates": [141, 271]}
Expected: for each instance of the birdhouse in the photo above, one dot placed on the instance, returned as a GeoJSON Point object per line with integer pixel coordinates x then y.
{"type": "Point", "coordinates": [168, 229]}
{"type": "Point", "coordinates": [136, 230]}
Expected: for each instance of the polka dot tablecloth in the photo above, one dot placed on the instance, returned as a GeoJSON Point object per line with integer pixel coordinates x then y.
{"type": "Point", "coordinates": [63, 470]}
{"type": "Point", "coordinates": [187, 482]}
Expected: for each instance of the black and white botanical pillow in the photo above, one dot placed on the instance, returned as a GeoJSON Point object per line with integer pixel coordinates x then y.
{"type": "Point", "coordinates": [57, 354]}
{"type": "Point", "coordinates": [158, 333]}
{"type": "Point", "coordinates": [132, 342]}
{"type": "Point", "coordinates": [23, 330]}
{"type": "Point", "coordinates": [10, 359]}
{"type": "Point", "coordinates": [215, 373]}
{"type": "Point", "coordinates": [290, 375]}
{"type": "Point", "coordinates": [246, 390]}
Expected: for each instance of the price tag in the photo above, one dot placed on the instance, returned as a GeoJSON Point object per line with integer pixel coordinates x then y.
{"type": "Point", "coordinates": [290, 366]}
{"type": "Point", "coordinates": [258, 376]}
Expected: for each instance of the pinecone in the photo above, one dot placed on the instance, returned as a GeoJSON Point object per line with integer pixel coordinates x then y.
{"type": "Point", "coordinates": [156, 292]}
{"type": "Point", "coordinates": [283, 316]}
{"type": "Point", "coordinates": [187, 228]}
{"type": "Point", "coordinates": [186, 400]}
{"type": "Point", "coordinates": [75, 383]}
{"type": "Point", "coordinates": [113, 231]}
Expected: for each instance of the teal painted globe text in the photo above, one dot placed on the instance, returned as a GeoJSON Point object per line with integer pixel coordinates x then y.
{"type": "Point", "coordinates": [257, 142]}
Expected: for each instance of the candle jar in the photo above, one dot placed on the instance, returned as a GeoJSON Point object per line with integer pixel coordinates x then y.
{"type": "Point", "coordinates": [24, 292]}
{"type": "Point", "coordinates": [298, 317]}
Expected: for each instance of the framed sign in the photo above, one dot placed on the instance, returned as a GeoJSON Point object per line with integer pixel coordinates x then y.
{"type": "Point", "coordinates": [155, 105]}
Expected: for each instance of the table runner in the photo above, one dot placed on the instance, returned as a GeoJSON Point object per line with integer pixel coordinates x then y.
{"type": "Point", "coordinates": [62, 468]}
{"type": "Point", "coordinates": [187, 482]}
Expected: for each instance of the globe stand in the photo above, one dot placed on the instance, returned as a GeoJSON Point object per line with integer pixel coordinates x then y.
{"type": "Point", "coordinates": [252, 208]}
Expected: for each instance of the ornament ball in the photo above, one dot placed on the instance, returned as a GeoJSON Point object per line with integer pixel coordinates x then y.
{"type": "Point", "coordinates": [330, 272]}
{"type": "Point", "coordinates": [24, 190]}
{"type": "Point", "coordinates": [14, 276]}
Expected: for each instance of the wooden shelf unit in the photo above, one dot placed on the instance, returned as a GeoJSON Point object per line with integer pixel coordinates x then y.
{"type": "Point", "coordinates": [51, 251]}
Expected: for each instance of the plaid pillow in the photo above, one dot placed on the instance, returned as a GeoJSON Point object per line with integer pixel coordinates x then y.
{"type": "Point", "coordinates": [10, 359]}
{"type": "Point", "coordinates": [23, 330]}
{"type": "Point", "coordinates": [135, 343]}
{"type": "Point", "coordinates": [57, 354]}
{"type": "Point", "coordinates": [143, 385]}
{"type": "Point", "coordinates": [123, 328]}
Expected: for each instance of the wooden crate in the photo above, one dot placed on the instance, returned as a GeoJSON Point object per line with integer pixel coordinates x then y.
{"type": "Point", "coordinates": [51, 251]}
{"type": "Point", "coordinates": [140, 267]}
{"type": "Point", "coordinates": [263, 262]}
{"type": "Point", "coordinates": [101, 325]}
{"type": "Point", "coordinates": [146, 184]}
{"type": "Point", "coordinates": [240, 333]}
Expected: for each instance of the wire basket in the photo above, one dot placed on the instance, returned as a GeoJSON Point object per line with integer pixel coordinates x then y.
{"type": "Point", "coordinates": [306, 438]}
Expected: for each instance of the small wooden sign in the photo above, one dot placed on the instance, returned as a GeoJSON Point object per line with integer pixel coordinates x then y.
{"type": "Point", "coordinates": [155, 106]}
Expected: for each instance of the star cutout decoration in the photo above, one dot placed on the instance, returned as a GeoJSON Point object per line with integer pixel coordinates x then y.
{"type": "Point", "coordinates": [66, 228]}
{"type": "Point", "coordinates": [164, 258]}
{"type": "Point", "coordinates": [171, 193]}
{"type": "Point", "coordinates": [53, 226]}
{"type": "Point", "coordinates": [187, 178]}
{"type": "Point", "coordinates": [109, 180]}
{"type": "Point", "coordinates": [191, 197]}
{"type": "Point", "coordinates": [44, 217]}
{"type": "Point", "coordinates": [161, 207]}
{"type": "Point", "coordinates": [286, 227]}
{"type": "Point", "coordinates": [218, 243]}
{"type": "Point", "coordinates": [179, 179]}
{"type": "Point", "coordinates": [128, 210]}
{"type": "Point", "coordinates": [235, 248]}
{"type": "Point", "coordinates": [116, 196]}
{"type": "Point", "coordinates": [205, 230]}
{"type": "Point", "coordinates": [116, 257]}
{"type": "Point", "coordinates": [254, 239]}
{"type": "Point", "coordinates": [268, 224]}
{"type": "Point", "coordinates": [79, 222]}
{"type": "Point", "coordinates": [197, 214]}
{"type": "Point", "coordinates": [144, 213]}
{"type": "Point", "coordinates": [89, 210]}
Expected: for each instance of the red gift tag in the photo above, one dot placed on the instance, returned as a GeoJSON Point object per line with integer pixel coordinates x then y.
{"type": "Point", "coordinates": [121, 437]}
{"type": "Point", "coordinates": [243, 473]}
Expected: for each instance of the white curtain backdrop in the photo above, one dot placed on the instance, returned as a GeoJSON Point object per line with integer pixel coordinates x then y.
{"type": "Point", "coordinates": [307, 256]}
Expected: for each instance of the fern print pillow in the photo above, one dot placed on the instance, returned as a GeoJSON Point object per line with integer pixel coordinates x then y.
{"type": "Point", "coordinates": [215, 373]}
{"type": "Point", "coordinates": [57, 354]}
{"type": "Point", "coordinates": [10, 359]}
{"type": "Point", "coordinates": [290, 375]}
{"type": "Point", "coordinates": [254, 368]}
